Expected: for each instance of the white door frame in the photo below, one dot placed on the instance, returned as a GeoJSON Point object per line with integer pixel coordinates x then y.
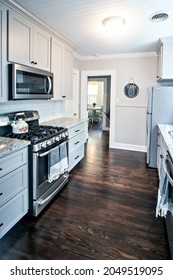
{"type": "Point", "coordinates": [84, 93]}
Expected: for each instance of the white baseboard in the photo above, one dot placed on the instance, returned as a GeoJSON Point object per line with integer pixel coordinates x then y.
{"type": "Point", "coordinates": [137, 148]}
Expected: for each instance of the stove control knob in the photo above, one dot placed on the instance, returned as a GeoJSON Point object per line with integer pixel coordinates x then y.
{"type": "Point", "coordinates": [43, 145]}
{"type": "Point", "coordinates": [48, 143]}
{"type": "Point", "coordinates": [57, 138]}
{"type": "Point", "coordinates": [63, 135]}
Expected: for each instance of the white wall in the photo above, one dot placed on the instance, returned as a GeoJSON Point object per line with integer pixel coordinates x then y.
{"type": "Point", "coordinates": [130, 113]}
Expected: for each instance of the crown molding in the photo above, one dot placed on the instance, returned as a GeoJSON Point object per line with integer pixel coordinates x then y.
{"type": "Point", "coordinates": [111, 56]}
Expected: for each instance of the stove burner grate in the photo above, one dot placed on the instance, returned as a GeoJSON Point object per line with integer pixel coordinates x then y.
{"type": "Point", "coordinates": [37, 134]}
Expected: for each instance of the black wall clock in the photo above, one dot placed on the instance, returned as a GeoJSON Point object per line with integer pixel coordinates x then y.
{"type": "Point", "coordinates": [131, 90]}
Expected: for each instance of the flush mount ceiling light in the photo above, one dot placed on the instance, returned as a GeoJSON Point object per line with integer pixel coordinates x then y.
{"type": "Point", "coordinates": [112, 23]}
{"type": "Point", "coordinates": [158, 17]}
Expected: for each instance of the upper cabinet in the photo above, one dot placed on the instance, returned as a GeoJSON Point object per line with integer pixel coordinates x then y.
{"type": "Point", "coordinates": [28, 43]}
{"type": "Point", "coordinates": [3, 53]}
{"type": "Point", "coordinates": [164, 60]}
{"type": "Point", "coordinates": [62, 67]}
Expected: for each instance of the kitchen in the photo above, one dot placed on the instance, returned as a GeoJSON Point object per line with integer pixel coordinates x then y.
{"type": "Point", "coordinates": [143, 69]}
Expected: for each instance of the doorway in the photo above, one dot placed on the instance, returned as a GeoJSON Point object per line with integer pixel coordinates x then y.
{"type": "Point", "coordinates": [84, 101]}
{"type": "Point", "coordinates": [98, 101]}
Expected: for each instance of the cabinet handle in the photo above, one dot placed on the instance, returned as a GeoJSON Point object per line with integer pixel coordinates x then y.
{"type": "Point", "coordinates": [1, 224]}
{"type": "Point", "coordinates": [63, 96]}
{"type": "Point", "coordinates": [0, 168]}
{"type": "Point", "coordinates": [77, 142]}
{"type": "Point", "coordinates": [1, 193]}
{"type": "Point", "coordinates": [35, 63]}
{"type": "Point", "coordinates": [76, 157]}
{"type": "Point", "coordinates": [77, 130]}
{"type": "Point", "coordinates": [161, 156]}
{"type": "Point", "coordinates": [32, 62]}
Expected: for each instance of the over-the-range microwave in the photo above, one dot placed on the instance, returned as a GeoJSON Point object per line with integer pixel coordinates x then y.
{"type": "Point", "coordinates": [27, 82]}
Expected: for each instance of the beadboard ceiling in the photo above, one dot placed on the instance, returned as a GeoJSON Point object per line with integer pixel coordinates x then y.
{"type": "Point", "coordinates": [80, 21]}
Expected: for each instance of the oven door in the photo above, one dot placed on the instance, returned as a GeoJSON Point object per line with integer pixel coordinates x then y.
{"type": "Point", "coordinates": [41, 171]}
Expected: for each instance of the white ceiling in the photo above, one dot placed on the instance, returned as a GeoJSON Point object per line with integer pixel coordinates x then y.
{"type": "Point", "coordinates": [80, 21]}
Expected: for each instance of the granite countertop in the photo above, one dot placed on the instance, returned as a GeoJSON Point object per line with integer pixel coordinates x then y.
{"type": "Point", "coordinates": [65, 122]}
{"type": "Point", "coordinates": [164, 129]}
{"type": "Point", "coordinates": [8, 145]}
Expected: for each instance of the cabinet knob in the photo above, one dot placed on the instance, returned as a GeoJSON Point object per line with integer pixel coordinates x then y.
{"type": "Point", "coordinates": [1, 193]}
{"type": "Point", "coordinates": [0, 168]}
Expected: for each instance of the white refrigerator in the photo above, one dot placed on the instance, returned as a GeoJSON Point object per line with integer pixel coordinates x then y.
{"type": "Point", "coordinates": [159, 111]}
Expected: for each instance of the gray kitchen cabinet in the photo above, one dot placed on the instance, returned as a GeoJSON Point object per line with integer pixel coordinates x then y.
{"type": "Point", "coordinates": [62, 67]}
{"type": "Point", "coordinates": [28, 43]}
{"type": "Point", "coordinates": [164, 61]}
{"type": "Point", "coordinates": [77, 139]}
{"type": "Point", "coordinates": [13, 189]}
{"type": "Point", "coordinates": [3, 53]}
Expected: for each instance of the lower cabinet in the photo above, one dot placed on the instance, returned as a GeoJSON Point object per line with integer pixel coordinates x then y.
{"type": "Point", "coordinates": [12, 211]}
{"type": "Point", "coordinates": [13, 189]}
{"type": "Point", "coordinates": [77, 139]}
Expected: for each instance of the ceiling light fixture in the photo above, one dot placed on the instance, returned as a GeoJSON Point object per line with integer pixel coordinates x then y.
{"type": "Point", "coordinates": [112, 23]}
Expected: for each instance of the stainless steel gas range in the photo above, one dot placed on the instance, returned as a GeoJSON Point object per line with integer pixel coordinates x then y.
{"type": "Point", "coordinates": [48, 157]}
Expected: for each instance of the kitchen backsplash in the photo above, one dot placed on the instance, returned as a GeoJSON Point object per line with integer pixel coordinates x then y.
{"type": "Point", "coordinates": [48, 110]}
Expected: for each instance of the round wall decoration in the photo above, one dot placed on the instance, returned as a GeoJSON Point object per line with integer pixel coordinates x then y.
{"type": "Point", "coordinates": [131, 90]}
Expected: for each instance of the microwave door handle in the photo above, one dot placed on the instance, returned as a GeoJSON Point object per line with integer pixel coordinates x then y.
{"type": "Point", "coordinates": [49, 84]}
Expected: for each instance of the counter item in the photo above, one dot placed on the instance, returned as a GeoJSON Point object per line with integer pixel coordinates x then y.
{"type": "Point", "coordinates": [18, 124]}
{"type": "Point", "coordinates": [159, 111]}
{"type": "Point", "coordinates": [43, 139]}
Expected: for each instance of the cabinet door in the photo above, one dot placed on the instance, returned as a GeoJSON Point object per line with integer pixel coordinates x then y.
{"type": "Point", "coordinates": [13, 211]}
{"type": "Point", "coordinates": [67, 73]}
{"type": "Point", "coordinates": [41, 52]}
{"type": "Point", "coordinates": [56, 67]}
{"type": "Point", "coordinates": [3, 54]}
{"type": "Point", "coordinates": [20, 34]}
{"type": "Point", "coordinates": [62, 67]}
{"type": "Point", "coordinates": [159, 63]}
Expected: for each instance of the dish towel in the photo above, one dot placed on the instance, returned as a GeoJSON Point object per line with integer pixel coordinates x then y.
{"type": "Point", "coordinates": [63, 157]}
{"type": "Point", "coordinates": [54, 164]}
{"type": "Point", "coordinates": [165, 194]}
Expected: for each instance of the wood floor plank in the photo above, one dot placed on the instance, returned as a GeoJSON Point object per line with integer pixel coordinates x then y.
{"type": "Point", "coordinates": [106, 211]}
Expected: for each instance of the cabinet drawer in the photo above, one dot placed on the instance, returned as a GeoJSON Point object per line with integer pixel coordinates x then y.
{"type": "Point", "coordinates": [75, 142]}
{"type": "Point", "coordinates": [72, 132]}
{"type": "Point", "coordinates": [13, 161]}
{"type": "Point", "coordinates": [76, 156]}
{"type": "Point", "coordinates": [13, 211]}
{"type": "Point", "coordinates": [13, 183]}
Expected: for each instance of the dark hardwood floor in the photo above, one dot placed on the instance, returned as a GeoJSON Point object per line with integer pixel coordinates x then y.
{"type": "Point", "coordinates": [106, 211]}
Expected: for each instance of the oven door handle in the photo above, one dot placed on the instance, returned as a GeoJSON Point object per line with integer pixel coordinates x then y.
{"type": "Point", "coordinates": [44, 154]}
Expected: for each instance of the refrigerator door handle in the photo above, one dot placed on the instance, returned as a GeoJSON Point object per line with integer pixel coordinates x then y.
{"type": "Point", "coordinates": [148, 128]}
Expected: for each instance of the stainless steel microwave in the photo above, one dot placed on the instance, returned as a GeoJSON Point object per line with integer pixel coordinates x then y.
{"type": "Point", "coordinates": [29, 83]}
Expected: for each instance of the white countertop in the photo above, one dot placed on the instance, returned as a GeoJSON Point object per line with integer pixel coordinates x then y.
{"type": "Point", "coordinates": [64, 122]}
{"type": "Point", "coordinates": [164, 129]}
